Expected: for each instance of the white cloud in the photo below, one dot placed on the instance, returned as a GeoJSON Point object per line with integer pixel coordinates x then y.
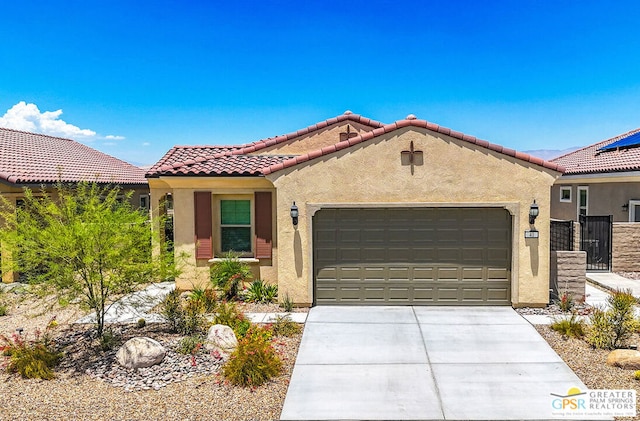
{"type": "Point", "coordinates": [28, 118]}
{"type": "Point", "coordinates": [146, 144]}
{"type": "Point", "coordinates": [114, 137]}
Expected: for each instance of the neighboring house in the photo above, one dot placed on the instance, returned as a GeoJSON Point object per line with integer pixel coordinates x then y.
{"type": "Point", "coordinates": [353, 211]}
{"type": "Point", "coordinates": [39, 161]}
{"type": "Point", "coordinates": [602, 181]}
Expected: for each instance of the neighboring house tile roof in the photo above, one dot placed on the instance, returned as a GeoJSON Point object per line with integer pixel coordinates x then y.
{"type": "Point", "coordinates": [222, 160]}
{"type": "Point", "coordinates": [31, 158]}
{"type": "Point", "coordinates": [590, 160]}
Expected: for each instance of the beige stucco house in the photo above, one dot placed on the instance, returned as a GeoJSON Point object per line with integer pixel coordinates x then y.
{"type": "Point", "coordinates": [388, 214]}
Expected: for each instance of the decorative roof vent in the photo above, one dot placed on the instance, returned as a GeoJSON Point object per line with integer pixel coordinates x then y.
{"type": "Point", "coordinates": [348, 112]}
{"type": "Point", "coordinates": [412, 117]}
{"type": "Point", "coordinates": [348, 134]}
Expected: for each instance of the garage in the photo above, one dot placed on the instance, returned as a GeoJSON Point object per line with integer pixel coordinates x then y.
{"type": "Point", "coordinates": [412, 256]}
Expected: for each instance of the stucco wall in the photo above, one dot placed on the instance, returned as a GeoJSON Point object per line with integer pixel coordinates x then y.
{"type": "Point", "coordinates": [315, 140]}
{"type": "Point", "coordinates": [568, 273]}
{"type": "Point", "coordinates": [453, 173]}
{"type": "Point", "coordinates": [626, 247]}
{"type": "Point", "coordinates": [603, 199]}
{"type": "Point", "coordinates": [195, 272]}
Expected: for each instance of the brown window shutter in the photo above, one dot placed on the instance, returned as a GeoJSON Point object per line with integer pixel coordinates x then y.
{"type": "Point", "coordinates": [263, 228]}
{"type": "Point", "coordinates": [204, 225]}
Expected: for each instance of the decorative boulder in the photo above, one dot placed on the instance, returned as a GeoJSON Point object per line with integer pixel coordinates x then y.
{"type": "Point", "coordinates": [221, 338]}
{"type": "Point", "coordinates": [140, 352]}
{"type": "Point", "coordinates": [627, 359]}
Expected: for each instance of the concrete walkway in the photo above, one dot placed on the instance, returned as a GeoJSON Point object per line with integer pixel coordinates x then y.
{"type": "Point", "coordinates": [423, 363]}
{"type": "Point", "coordinates": [613, 281]}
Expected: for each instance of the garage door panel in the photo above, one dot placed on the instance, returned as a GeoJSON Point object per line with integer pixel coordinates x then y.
{"type": "Point", "coordinates": [412, 256]}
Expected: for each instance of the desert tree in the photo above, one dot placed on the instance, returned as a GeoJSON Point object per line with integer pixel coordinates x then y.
{"type": "Point", "coordinates": [84, 242]}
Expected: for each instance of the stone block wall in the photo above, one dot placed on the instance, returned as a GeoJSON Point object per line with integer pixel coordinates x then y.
{"type": "Point", "coordinates": [568, 273]}
{"type": "Point", "coordinates": [626, 247]}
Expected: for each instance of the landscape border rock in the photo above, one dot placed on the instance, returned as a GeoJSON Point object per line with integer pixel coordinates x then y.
{"type": "Point", "coordinates": [140, 352]}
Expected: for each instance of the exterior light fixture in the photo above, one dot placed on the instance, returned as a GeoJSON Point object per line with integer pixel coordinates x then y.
{"type": "Point", "coordinates": [625, 207]}
{"type": "Point", "coordinates": [534, 211]}
{"type": "Point", "coordinates": [294, 214]}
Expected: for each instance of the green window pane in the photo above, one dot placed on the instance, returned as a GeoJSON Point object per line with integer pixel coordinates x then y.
{"type": "Point", "coordinates": [235, 212]}
{"type": "Point", "coordinates": [236, 239]}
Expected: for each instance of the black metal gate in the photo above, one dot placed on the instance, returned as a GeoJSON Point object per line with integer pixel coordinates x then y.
{"type": "Point", "coordinates": [562, 235]}
{"type": "Point", "coordinates": [595, 239]}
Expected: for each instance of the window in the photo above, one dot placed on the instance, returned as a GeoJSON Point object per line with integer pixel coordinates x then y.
{"type": "Point", "coordinates": [565, 194]}
{"type": "Point", "coordinates": [583, 200]}
{"type": "Point", "coordinates": [235, 225]}
{"type": "Point", "coordinates": [634, 210]}
{"type": "Point", "coordinates": [144, 201]}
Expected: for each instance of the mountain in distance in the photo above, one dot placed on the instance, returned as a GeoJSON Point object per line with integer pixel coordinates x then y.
{"type": "Point", "coordinates": [548, 154]}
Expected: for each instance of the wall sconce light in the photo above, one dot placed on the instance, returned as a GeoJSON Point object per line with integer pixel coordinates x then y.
{"type": "Point", "coordinates": [294, 214]}
{"type": "Point", "coordinates": [534, 211]}
{"type": "Point", "coordinates": [625, 207]}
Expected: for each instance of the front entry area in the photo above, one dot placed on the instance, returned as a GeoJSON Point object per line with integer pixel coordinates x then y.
{"type": "Point", "coordinates": [412, 256]}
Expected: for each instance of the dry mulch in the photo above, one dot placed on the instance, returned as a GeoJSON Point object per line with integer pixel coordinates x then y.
{"type": "Point", "coordinates": [75, 395]}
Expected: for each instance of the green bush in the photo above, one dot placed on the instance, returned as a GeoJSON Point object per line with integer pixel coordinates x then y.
{"type": "Point", "coordinates": [229, 274]}
{"type": "Point", "coordinates": [565, 302]}
{"type": "Point", "coordinates": [30, 358]}
{"type": "Point", "coordinates": [109, 340]}
{"type": "Point", "coordinates": [228, 314]}
{"type": "Point", "coordinates": [261, 292]}
{"type": "Point", "coordinates": [254, 362]}
{"type": "Point", "coordinates": [612, 327]}
{"type": "Point", "coordinates": [188, 319]}
{"type": "Point", "coordinates": [636, 375]}
{"type": "Point", "coordinates": [572, 326]}
{"type": "Point", "coordinates": [3, 310]}
{"type": "Point", "coordinates": [190, 344]}
{"type": "Point", "coordinates": [287, 304]}
{"type": "Point", "coordinates": [284, 326]}
{"type": "Point", "coordinates": [207, 297]}
{"type": "Point", "coordinates": [141, 323]}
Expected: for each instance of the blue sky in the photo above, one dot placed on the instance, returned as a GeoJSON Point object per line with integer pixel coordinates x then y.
{"type": "Point", "coordinates": [134, 78]}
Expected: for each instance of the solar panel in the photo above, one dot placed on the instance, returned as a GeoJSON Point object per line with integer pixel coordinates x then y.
{"type": "Point", "coordinates": [628, 142]}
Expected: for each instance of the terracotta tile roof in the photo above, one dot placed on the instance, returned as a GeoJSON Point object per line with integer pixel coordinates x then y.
{"type": "Point", "coordinates": [225, 160]}
{"type": "Point", "coordinates": [589, 160]}
{"type": "Point", "coordinates": [30, 158]}
{"type": "Point", "coordinates": [410, 121]}
{"type": "Point", "coordinates": [194, 160]}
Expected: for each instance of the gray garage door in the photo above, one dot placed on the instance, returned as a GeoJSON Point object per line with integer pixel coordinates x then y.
{"type": "Point", "coordinates": [417, 256]}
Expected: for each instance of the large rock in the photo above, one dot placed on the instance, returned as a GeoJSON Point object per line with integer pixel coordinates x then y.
{"type": "Point", "coordinates": [222, 339]}
{"type": "Point", "coordinates": [627, 359]}
{"type": "Point", "coordinates": [140, 352]}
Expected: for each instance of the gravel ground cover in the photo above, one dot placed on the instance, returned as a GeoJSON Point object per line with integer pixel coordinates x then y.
{"type": "Point", "coordinates": [91, 386]}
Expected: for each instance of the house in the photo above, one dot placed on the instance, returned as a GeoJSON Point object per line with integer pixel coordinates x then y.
{"type": "Point", "coordinates": [39, 161]}
{"type": "Point", "coordinates": [602, 181]}
{"type": "Point", "coordinates": [353, 211]}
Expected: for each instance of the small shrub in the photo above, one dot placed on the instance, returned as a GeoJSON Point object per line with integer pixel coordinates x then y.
{"type": "Point", "coordinates": [190, 344]}
{"type": "Point", "coordinates": [636, 375]}
{"type": "Point", "coordinates": [571, 327]}
{"type": "Point", "coordinates": [186, 320]}
{"type": "Point", "coordinates": [287, 304]}
{"type": "Point", "coordinates": [612, 327]}
{"type": "Point", "coordinates": [565, 302]}
{"type": "Point", "coordinates": [171, 310]}
{"type": "Point", "coordinates": [253, 363]}
{"type": "Point", "coordinates": [109, 340]}
{"type": "Point", "coordinates": [228, 314]}
{"type": "Point", "coordinates": [284, 326]}
{"type": "Point", "coordinates": [30, 358]}
{"type": "Point", "coordinates": [206, 297]}
{"type": "Point", "coordinates": [261, 292]}
{"type": "Point", "coordinates": [141, 323]}
{"type": "Point", "coordinates": [229, 275]}
{"type": "Point", "coordinates": [3, 310]}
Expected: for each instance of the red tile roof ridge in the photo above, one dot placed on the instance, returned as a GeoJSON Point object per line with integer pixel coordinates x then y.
{"type": "Point", "coordinates": [422, 124]}
{"type": "Point", "coordinates": [264, 143]}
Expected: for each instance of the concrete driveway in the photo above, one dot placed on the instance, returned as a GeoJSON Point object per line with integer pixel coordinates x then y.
{"type": "Point", "coordinates": [423, 363]}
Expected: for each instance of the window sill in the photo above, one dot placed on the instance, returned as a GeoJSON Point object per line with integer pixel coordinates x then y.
{"type": "Point", "coordinates": [242, 259]}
